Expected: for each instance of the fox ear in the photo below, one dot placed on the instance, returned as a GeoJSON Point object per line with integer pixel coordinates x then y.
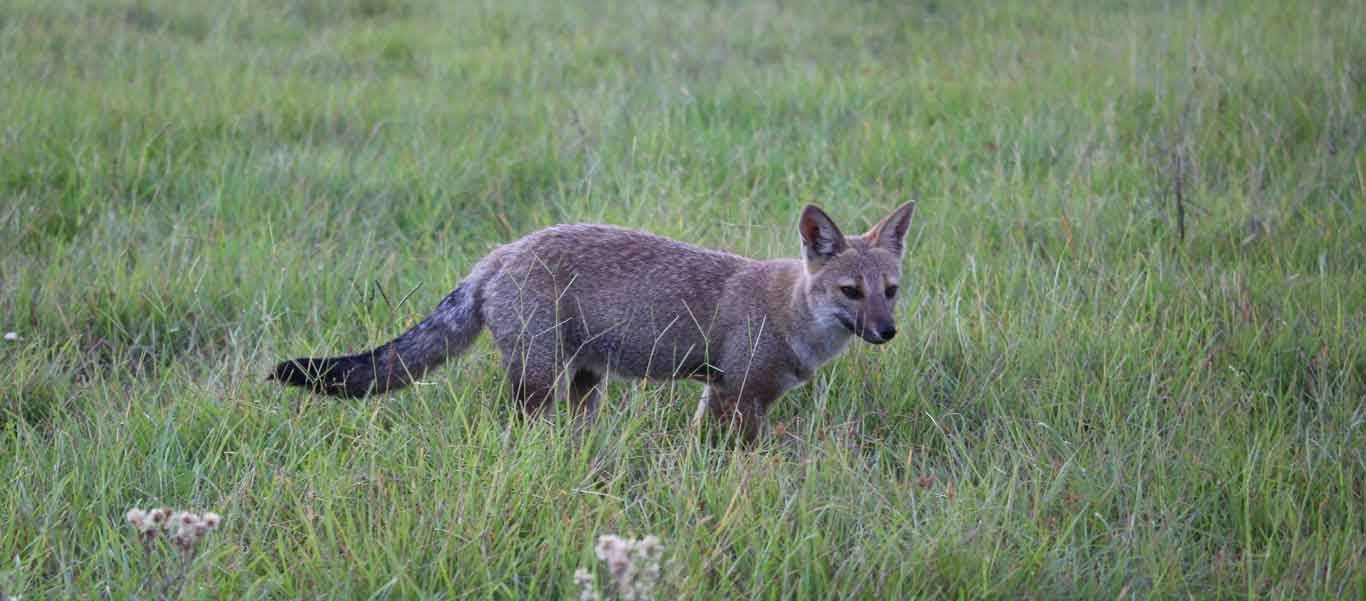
{"type": "Point", "coordinates": [890, 233]}
{"type": "Point", "coordinates": [821, 238]}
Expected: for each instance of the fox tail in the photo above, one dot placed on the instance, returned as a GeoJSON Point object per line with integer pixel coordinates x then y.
{"type": "Point", "coordinates": [446, 333]}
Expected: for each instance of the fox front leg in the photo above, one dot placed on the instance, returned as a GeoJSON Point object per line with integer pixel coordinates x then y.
{"type": "Point", "coordinates": [701, 412]}
{"type": "Point", "coordinates": [747, 412]}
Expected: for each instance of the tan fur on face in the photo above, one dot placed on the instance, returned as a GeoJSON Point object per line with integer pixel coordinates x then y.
{"type": "Point", "coordinates": [870, 271]}
{"type": "Point", "coordinates": [869, 265]}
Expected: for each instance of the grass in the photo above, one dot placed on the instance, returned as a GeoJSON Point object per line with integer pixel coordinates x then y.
{"type": "Point", "coordinates": [1086, 400]}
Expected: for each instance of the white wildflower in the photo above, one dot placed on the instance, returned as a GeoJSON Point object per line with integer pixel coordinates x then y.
{"type": "Point", "coordinates": [633, 564]}
{"type": "Point", "coordinates": [138, 519]}
{"type": "Point", "coordinates": [584, 580]}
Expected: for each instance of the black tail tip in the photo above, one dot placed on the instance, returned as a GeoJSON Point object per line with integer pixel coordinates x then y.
{"type": "Point", "coordinates": [317, 375]}
{"type": "Point", "coordinates": [295, 372]}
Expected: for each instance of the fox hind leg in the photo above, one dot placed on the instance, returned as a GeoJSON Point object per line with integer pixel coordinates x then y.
{"type": "Point", "coordinates": [535, 374]}
{"type": "Point", "coordinates": [531, 347]}
{"type": "Point", "coordinates": [585, 391]}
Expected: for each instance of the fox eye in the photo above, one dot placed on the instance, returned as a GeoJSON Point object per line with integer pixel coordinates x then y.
{"type": "Point", "coordinates": [851, 292]}
{"type": "Point", "coordinates": [891, 291]}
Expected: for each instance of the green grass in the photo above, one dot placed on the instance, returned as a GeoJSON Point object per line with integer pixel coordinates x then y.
{"type": "Point", "coordinates": [1083, 404]}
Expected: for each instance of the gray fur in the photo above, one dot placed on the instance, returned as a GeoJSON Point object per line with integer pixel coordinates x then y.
{"type": "Point", "coordinates": [571, 305]}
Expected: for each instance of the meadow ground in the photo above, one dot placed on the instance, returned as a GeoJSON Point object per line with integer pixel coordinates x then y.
{"type": "Point", "coordinates": [1099, 392]}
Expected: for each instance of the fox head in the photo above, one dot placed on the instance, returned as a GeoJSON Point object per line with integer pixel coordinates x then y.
{"type": "Point", "coordinates": [855, 280]}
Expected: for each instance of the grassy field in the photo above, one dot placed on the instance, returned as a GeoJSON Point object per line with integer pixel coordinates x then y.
{"type": "Point", "coordinates": [1099, 392]}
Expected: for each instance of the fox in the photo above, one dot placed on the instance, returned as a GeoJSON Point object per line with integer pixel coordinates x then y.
{"type": "Point", "coordinates": [572, 305]}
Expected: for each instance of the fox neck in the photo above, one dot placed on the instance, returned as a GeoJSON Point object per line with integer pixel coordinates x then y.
{"type": "Point", "coordinates": [816, 337]}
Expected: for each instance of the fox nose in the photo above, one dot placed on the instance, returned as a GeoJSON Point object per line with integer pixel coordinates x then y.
{"type": "Point", "coordinates": [887, 332]}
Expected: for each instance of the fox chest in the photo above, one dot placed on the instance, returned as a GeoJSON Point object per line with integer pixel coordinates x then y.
{"type": "Point", "coordinates": [817, 348]}
{"type": "Point", "coordinates": [805, 359]}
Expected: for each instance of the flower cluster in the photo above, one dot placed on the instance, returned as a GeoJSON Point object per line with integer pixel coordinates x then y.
{"type": "Point", "coordinates": [183, 528]}
{"type": "Point", "coordinates": [633, 564]}
{"type": "Point", "coordinates": [166, 573]}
